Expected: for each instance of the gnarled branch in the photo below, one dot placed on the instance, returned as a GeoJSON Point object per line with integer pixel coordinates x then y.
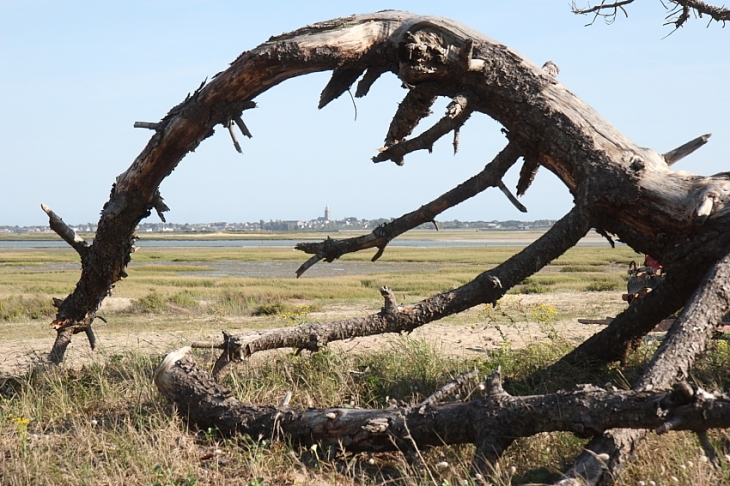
{"type": "Point", "coordinates": [205, 403]}
{"type": "Point", "coordinates": [332, 249]}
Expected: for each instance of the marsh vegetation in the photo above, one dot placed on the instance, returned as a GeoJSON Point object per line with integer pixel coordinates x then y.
{"type": "Point", "coordinates": [104, 422]}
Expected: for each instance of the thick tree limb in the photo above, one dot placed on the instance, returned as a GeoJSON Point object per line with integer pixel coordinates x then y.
{"type": "Point", "coordinates": [485, 288]}
{"type": "Point", "coordinates": [434, 57]}
{"type": "Point", "coordinates": [679, 218]}
{"type": "Point", "coordinates": [332, 249]}
{"type": "Point", "coordinates": [685, 342]}
{"type": "Point", "coordinates": [205, 403]}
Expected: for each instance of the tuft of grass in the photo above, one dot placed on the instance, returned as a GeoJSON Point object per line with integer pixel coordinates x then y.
{"type": "Point", "coordinates": [533, 288]}
{"type": "Point", "coordinates": [579, 269]}
{"type": "Point", "coordinates": [604, 286]}
{"type": "Point", "coordinates": [152, 303]}
{"type": "Point", "coordinates": [272, 309]}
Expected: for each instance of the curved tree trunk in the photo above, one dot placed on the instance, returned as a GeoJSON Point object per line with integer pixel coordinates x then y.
{"type": "Point", "coordinates": [619, 188]}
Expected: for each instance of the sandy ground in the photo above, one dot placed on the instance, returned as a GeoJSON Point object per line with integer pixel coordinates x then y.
{"type": "Point", "coordinates": [471, 336]}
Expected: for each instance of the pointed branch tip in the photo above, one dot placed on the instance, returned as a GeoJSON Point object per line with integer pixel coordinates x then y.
{"type": "Point", "coordinates": [511, 197]}
{"type": "Point", "coordinates": [684, 150]}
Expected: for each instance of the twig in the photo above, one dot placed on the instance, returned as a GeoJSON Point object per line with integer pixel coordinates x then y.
{"type": "Point", "coordinates": [90, 336]}
{"type": "Point", "coordinates": [708, 448]}
{"type": "Point", "coordinates": [159, 204]}
{"type": "Point", "coordinates": [242, 126]}
{"type": "Point", "coordinates": [308, 264]}
{"type": "Point", "coordinates": [341, 80]}
{"type": "Point", "coordinates": [370, 76]}
{"type": "Point", "coordinates": [415, 105]}
{"type": "Point", "coordinates": [148, 125]}
{"type": "Point", "coordinates": [457, 114]}
{"type": "Point", "coordinates": [449, 388]}
{"type": "Point", "coordinates": [390, 305]}
{"type": "Point", "coordinates": [286, 400]}
{"type": "Point", "coordinates": [511, 198]}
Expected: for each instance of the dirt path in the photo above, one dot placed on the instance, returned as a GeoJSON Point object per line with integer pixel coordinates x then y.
{"type": "Point", "coordinates": [471, 334]}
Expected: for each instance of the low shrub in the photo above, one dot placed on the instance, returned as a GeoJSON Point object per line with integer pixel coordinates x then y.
{"type": "Point", "coordinates": [19, 307]}
{"type": "Point", "coordinates": [602, 286]}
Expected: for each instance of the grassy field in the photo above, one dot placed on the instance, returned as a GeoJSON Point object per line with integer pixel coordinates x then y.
{"type": "Point", "coordinates": [106, 424]}
{"type": "Point", "coordinates": [185, 277]}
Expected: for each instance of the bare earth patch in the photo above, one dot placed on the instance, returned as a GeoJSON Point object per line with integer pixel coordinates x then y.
{"type": "Point", "coordinates": [469, 333]}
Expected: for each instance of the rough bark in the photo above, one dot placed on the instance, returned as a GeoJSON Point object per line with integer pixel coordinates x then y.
{"type": "Point", "coordinates": [686, 341]}
{"type": "Point", "coordinates": [205, 403]}
{"type": "Point", "coordinates": [629, 189]}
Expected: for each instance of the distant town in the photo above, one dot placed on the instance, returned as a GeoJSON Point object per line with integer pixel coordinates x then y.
{"type": "Point", "coordinates": [324, 223]}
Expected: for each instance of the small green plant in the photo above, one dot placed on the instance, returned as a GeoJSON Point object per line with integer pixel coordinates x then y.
{"type": "Point", "coordinates": [296, 317]}
{"type": "Point", "coordinates": [162, 476]}
{"type": "Point", "coordinates": [533, 288]}
{"type": "Point", "coordinates": [601, 286]}
{"type": "Point", "coordinates": [579, 269]}
{"type": "Point", "coordinates": [271, 309]}
{"type": "Point", "coordinates": [150, 304]}
{"type": "Point", "coordinates": [183, 299]}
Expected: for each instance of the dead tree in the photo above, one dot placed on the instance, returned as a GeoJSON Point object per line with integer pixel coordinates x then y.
{"type": "Point", "coordinates": [678, 11]}
{"type": "Point", "coordinates": [624, 191]}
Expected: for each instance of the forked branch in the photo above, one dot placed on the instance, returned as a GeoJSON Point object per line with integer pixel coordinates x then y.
{"type": "Point", "coordinates": [457, 113]}
{"type": "Point", "coordinates": [679, 11]}
{"type": "Point", "coordinates": [332, 249]}
{"type": "Point", "coordinates": [66, 232]}
{"type": "Point", "coordinates": [686, 341]}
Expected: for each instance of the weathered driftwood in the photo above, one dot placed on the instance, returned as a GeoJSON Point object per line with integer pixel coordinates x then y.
{"type": "Point", "coordinates": [494, 413]}
{"type": "Point", "coordinates": [605, 455]}
{"type": "Point", "coordinates": [622, 190]}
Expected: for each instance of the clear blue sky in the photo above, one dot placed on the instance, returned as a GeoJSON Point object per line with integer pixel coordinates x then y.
{"type": "Point", "coordinates": [77, 75]}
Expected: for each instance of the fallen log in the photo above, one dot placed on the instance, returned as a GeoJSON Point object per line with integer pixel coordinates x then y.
{"type": "Point", "coordinates": [205, 403]}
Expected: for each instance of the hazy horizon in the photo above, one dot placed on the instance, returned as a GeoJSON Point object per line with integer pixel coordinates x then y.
{"type": "Point", "coordinates": [78, 75]}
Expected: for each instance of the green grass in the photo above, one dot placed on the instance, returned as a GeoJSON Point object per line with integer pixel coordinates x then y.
{"type": "Point", "coordinates": [18, 308]}
{"type": "Point", "coordinates": [106, 424]}
{"type": "Point", "coordinates": [168, 271]}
